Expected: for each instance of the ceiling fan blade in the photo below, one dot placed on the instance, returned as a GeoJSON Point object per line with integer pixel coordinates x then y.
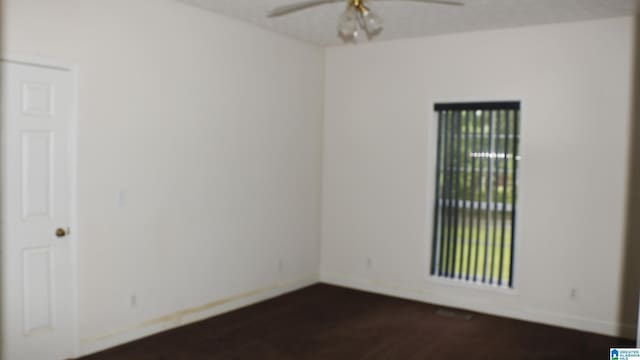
{"type": "Point", "coordinates": [439, 2]}
{"type": "Point", "coordinates": [287, 9]}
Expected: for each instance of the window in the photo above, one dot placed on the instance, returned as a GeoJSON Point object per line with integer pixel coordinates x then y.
{"type": "Point", "coordinates": [476, 186]}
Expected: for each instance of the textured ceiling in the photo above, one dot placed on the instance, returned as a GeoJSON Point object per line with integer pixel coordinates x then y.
{"type": "Point", "coordinates": [406, 19]}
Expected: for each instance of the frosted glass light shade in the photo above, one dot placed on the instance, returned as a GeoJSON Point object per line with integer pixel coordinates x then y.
{"type": "Point", "coordinates": [372, 22]}
{"type": "Point", "coordinates": [348, 23]}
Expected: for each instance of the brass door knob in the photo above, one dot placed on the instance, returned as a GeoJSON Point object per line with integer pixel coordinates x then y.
{"type": "Point", "coordinates": [61, 232]}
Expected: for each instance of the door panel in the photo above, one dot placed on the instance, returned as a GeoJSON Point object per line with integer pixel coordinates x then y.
{"type": "Point", "coordinates": [38, 290]}
{"type": "Point", "coordinates": [38, 316]}
{"type": "Point", "coordinates": [37, 175]}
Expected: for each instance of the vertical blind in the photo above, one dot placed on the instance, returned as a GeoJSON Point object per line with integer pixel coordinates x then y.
{"type": "Point", "coordinates": [476, 186]}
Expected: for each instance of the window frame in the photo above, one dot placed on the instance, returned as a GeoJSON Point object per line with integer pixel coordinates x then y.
{"type": "Point", "coordinates": [434, 279]}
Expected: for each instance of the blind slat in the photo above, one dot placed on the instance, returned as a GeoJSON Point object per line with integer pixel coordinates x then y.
{"type": "Point", "coordinates": [456, 189]}
{"type": "Point", "coordinates": [471, 117]}
{"type": "Point", "coordinates": [437, 206]}
{"type": "Point", "coordinates": [456, 221]}
{"type": "Point", "coordinates": [514, 191]}
{"type": "Point", "coordinates": [478, 200]}
{"type": "Point", "coordinates": [505, 166]}
{"type": "Point", "coordinates": [487, 230]}
{"type": "Point", "coordinates": [496, 165]}
{"type": "Point", "coordinates": [446, 213]}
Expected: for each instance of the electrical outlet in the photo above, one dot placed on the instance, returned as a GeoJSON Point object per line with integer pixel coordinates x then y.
{"type": "Point", "coordinates": [573, 294]}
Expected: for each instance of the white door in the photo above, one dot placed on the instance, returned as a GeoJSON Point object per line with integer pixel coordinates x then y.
{"type": "Point", "coordinates": [38, 307]}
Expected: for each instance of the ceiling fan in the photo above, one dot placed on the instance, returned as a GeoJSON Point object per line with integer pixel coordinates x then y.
{"type": "Point", "coordinates": [356, 19]}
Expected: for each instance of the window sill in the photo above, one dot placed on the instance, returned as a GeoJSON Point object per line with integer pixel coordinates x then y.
{"type": "Point", "coordinates": [470, 285]}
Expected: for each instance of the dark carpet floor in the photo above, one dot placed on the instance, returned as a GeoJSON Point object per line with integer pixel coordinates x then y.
{"type": "Point", "coordinates": [328, 322]}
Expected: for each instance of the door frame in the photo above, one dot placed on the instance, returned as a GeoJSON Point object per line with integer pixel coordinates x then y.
{"type": "Point", "coordinates": [72, 69]}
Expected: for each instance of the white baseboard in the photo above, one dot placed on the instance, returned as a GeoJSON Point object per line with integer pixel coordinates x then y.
{"type": "Point", "coordinates": [187, 316]}
{"type": "Point", "coordinates": [627, 331]}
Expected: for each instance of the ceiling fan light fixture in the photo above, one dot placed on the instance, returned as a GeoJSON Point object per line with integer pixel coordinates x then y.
{"type": "Point", "coordinates": [357, 17]}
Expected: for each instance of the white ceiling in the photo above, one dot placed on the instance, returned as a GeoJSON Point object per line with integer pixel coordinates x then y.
{"type": "Point", "coordinates": [406, 19]}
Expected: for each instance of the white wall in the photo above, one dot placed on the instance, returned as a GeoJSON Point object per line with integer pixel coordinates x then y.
{"type": "Point", "coordinates": [574, 81]}
{"type": "Point", "coordinates": [212, 128]}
